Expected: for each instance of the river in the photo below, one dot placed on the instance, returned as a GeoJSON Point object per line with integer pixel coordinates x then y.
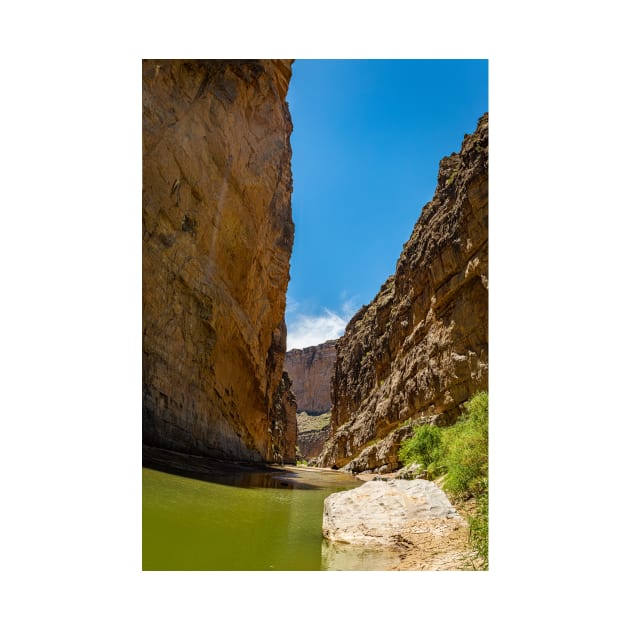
{"type": "Point", "coordinates": [246, 521]}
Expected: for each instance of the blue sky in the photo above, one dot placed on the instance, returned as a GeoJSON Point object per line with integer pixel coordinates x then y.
{"type": "Point", "coordinates": [367, 140]}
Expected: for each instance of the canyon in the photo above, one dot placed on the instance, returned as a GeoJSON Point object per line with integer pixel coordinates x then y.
{"type": "Point", "coordinates": [217, 241]}
{"type": "Point", "coordinates": [310, 370]}
{"type": "Point", "coordinates": [217, 238]}
{"type": "Point", "coordinates": [419, 350]}
{"type": "Point", "coordinates": [220, 394]}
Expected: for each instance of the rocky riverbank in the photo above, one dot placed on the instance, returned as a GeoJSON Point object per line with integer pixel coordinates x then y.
{"type": "Point", "coordinates": [439, 545]}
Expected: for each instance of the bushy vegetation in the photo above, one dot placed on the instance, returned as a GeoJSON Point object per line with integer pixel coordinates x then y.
{"type": "Point", "coordinates": [479, 529]}
{"type": "Point", "coordinates": [466, 450]}
{"type": "Point", "coordinates": [459, 452]}
{"type": "Point", "coordinates": [425, 448]}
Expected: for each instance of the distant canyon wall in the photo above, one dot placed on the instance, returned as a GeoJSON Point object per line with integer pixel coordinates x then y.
{"type": "Point", "coordinates": [310, 370]}
{"type": "Point", "coordinates": [420, 348]}
{"type": "Point", "coordinates": [217, 238]}
{"type": "Point", "coordinates": [311, 443]}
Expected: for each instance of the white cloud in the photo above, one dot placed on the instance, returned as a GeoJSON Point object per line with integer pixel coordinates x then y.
{"type": "Point", "coordinates": [304, 330]}
{"type": "Point", "coordinates": [292, 305]}
{"type": "Point", "coordinates": [311, 330]}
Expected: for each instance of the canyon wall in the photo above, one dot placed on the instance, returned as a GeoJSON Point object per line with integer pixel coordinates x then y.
{"type": "Point", "coordinates": [312, 433]}
{"type": "Point", "coordinates": [311, 443]}
{"type": "Point", "coordinates": [420, 348]}
{"type": "Point", "coordinates": [310, 370]}
{"type": "Point", "coordinates": [217, 238]}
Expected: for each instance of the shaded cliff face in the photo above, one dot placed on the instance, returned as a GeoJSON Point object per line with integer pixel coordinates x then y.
{"type": "Point", "coordinates": [313, 431]}
{"type": "Point", "coordinates": [311, 443]}
{"type": "Point", "coordinates": [310, 370]}
{"type": "Point", "coordinates": [217, 238]}
{"type": "Point", "coordinates": [420, 348]}
{"type": "Point", "coordinates": [284, 423]}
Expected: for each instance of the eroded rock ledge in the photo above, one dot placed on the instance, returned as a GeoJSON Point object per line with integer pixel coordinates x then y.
{"type": "Point", "coordinates": [217, 238]}
{"type": "Point", "coordinates": [420, 348]}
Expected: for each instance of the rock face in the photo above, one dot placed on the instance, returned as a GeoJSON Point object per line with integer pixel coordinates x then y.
{"type": "Point", "coordinates": [284, 423]}
{"type": "Point", "coordinates": [310, 370]}
{"type": "Point", "coordinates": [313, 431]}
{"type": "Point", "coordinates": [217, 238]}
{"type": "Point", "coordinates": [311, 443]}
{"type": "Point", "coordinates": [380, 512]}
{"type": "Point", "coordinates": [420, 348]}
{"type": "Point", "coordinates": [382, 455]}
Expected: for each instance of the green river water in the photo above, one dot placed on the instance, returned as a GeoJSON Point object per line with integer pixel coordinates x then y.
{"type": "Point", "coordinates": [249, 521]}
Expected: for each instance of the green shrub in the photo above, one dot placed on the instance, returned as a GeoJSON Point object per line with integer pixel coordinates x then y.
{"type": "Point", "coordinates": [479, 530]}
{"type": "Point", "coordinates": [460, 451]}
{"type": "Point", "coordinates": [424, 448]}
{"type": "Point", "coordinates": [466, 450]}
{"type": "Point", "coordinates": [466, 459]}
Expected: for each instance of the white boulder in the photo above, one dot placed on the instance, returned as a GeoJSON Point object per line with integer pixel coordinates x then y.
{"type": "Point", "coordinates": [381, 512]}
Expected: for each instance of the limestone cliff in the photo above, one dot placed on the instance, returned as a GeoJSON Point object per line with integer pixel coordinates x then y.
{"type": "Point", "coordinates": [217, 238]}
{"type": "Point", "coordinates": [310, 370]}
{"type": "Point", "coordinates": [420, 348]}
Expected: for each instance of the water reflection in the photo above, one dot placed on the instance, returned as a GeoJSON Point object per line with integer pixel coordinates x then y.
{"type": "Point", "coordinates": [211, 516]}
{"type": "Point", "coordinates": [244, 475]}
{"type": "Point", "coordinates": [345, 557]}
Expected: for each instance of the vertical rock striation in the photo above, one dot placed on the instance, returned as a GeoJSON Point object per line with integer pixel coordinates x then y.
{"type": "Point", "coordinates": [420, 348]}
{"type": "Point", "coordinates": [284, 423]}
{"type": "Point", "coordinates": [310, 370]}
{"type": "Point", "coordinates": [217, 238]}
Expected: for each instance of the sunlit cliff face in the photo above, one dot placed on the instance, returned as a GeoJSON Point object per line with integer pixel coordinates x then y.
{"type": "Point", "coordinates": [420, 348]}
{"type": "Point", "coordinates": [217, 239]}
